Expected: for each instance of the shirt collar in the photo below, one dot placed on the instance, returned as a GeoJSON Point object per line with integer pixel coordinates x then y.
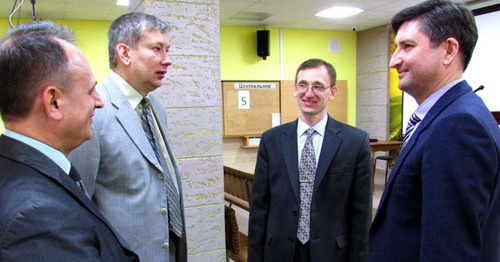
{"type": "Point", "coordinates": [319, 127]}
{"type": "Point", "coordinates": [55, 155]}
{"type": "Point", "coordinates": [133, 97]}
{"type": "Point", "coordinates": [424, 108]}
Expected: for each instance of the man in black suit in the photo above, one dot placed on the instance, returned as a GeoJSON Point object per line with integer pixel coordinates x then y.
{"type": "Point", "coordinates": [442, 199]}
{"type": "Point", "coordinates": [47, 100]}
{"type": "Point", "coordinates": [318, 208]}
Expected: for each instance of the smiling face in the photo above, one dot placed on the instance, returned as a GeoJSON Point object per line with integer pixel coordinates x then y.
{"type": "Point", "coordinates": [80, 99]}
{"type": "Point", "coordinates": [313, 105]}
{"type": "Point", "coordinates": [149, 62]}
{"type": "Point", "coordinates": [419, 64]}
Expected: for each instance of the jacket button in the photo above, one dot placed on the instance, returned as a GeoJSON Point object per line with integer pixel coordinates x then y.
{"type": "Point", "coordinates": [160, 176]}
{"type": "Point", "coordinates": [295, 213]}
{"type": "Point", "coordinates": [165, 246]}
{"type": "Point", "coordinates": [163, 211]}
{"type": "Point", "coordinates": [290, 241]}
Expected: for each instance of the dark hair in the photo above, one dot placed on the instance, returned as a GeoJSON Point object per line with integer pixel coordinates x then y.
{"type": "Point", "coordinates": [129, 29]}
{"type": "Point", "coordinates": [441, 19]}
{"type": "Point", "coordinates": [313, 63]}
{"type": "Point", "coordinates": [30, 59]}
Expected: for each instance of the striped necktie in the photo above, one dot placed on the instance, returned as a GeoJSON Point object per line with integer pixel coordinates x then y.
{"type": "Point", "coordinates": [174, 209]}
{"type": "Point", "coordinates": [307, 174]}
{"type": "Point", "coordinates": [414, 119]}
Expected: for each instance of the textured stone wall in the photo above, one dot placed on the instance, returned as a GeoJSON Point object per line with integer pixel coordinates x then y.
{"type": "Point", "coordinates": [191, 94]}
{"type": "Point", "coordinates": [373, 94]}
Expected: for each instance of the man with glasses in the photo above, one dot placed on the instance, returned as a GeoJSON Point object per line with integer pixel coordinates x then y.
{"type": "Point", "coordinates": [311, 196]}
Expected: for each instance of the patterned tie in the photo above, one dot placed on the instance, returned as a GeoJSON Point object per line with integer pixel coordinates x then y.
{"type": "Point", "coordinates": [173, 199]}
{"type": "Point", "coordinates": [307, 173]}
{"type": "Point", "coordinates": [414, 119]}
{"type": "Point", "coordinates": [78, 180]}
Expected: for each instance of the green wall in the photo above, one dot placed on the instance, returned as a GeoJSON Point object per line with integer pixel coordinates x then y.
{"type": "Point", "coordinates": [91, 38]}
{"type": "Point", "coordinates": [239, 60]}
{"type": "Point", "coordinates": [238, 54]}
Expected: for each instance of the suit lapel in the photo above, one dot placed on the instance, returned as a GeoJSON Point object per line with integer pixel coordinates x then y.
{"type": "Point", "coordinates": [29, 156]}
{"type": "Point", "coordinates": [289, 146]}
{"type": "Point", "coordinates": [445, 100]}
{"type": "Point", "coordinates": [131, 125]}
{"type": "Point", "coordinates": [160, 115]}
{"type": "Point", "coordinates": [331, 143]}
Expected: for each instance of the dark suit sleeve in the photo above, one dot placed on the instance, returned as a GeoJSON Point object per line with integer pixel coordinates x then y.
{"type": "Point", "coordinates": [48, 231]}
{"type": "Point", "coordinates": [361, 203]}
{"type": "Point", "coordinates": [457, 188]}
{"type": "Point", "coordinates": [259, 205]}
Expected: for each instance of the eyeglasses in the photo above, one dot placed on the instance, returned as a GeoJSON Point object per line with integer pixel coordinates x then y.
{"type": "Point", "coordinates": [316, 88]}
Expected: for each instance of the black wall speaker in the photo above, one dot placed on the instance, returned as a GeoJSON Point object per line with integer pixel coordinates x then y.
{"type": "Point", "coordinates": [263, 43]}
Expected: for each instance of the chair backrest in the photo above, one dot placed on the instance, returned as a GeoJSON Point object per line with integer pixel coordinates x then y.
{"type": "Point", "coordinates": [232, 231]}
{"type": "Point", "coordinates": [238, 183]}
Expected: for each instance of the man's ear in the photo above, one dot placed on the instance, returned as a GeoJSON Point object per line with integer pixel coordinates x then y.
{"type": "Point", "coordinates": [452, 47]}
{"type": "Point", "coordinates": [52, 100]}
{"type": "Point", "coordinates": [333, 94]}
{"type": "Point", "coordinates": [123, 53]}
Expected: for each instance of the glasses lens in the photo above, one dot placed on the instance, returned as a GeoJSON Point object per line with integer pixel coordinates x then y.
{"type": "Point", "coordinates": [317, 88]}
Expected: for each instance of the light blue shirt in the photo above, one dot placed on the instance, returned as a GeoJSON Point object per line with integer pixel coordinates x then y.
{"type": "Point", "coordinates": [55, 155]}
{"type": "Point", "coordinates": [428, 103]}
{"type": "Point", "coordinates": [317, 137]}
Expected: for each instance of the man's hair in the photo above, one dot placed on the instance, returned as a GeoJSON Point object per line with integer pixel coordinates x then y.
{"type": "Point", "coordinates": [30, 59]}
{"type": "Point", "coordinates": [129, 29]}
{"type": "Point", "coordinates": [441, 19]}
{"type": "Point", "coordinates": [313, 63]}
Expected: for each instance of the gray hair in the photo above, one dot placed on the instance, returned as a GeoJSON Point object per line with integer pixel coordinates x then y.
{"type": "Point", "coordinates": [129, 29]}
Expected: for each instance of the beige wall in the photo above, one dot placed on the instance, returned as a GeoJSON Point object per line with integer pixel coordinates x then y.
{"type": "Point", "coordinates": [237, 157]}
{"type": "Point", "coordinates": [372, 99]}
{"type": "Point", "coordinates": [192, 97]}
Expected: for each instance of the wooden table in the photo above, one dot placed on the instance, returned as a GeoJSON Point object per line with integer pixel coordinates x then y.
{"type": "Point", "coordinates": [389, 146]}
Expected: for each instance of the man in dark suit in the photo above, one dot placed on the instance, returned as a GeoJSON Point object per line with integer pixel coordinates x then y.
{"type": "Point", "coordinates": [442, 200]}
{"type": "Point", "coordinates": [311, 196]}
{"type": "Point", "coordinates": [47, 100]}
{"type": "Point", "coordinates": [129, 178]}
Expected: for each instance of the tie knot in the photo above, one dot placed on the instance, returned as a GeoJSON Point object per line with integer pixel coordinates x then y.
{"type": "Point", "coordinates": [145, 102]}
{"type": "Point", "coordinates": [74, 174]}
{"type": "Point", "coordinates": [310, 132]}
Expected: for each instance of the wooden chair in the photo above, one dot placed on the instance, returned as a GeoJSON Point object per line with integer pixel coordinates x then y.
{"type": "Point", "coordinates": [236, 242]}
{"type": "Point", "coordinates": [237, 190]}
{"type": "Point", "coordinates": [237, 187]}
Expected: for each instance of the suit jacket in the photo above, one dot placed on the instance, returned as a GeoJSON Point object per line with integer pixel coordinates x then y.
{"type": "Point", "coordinates": [45, 216]}
{"type": "Point", "coordinates": [341, 201]}
{"type": "Point", "coordinates": [442, 201]}
{"type": "Point", "coordinates": [123, 175]}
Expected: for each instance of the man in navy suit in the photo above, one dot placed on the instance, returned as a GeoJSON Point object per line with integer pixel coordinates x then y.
{"type": "Point", "coordinates": [442, 200]}
{"type": "Point", "coordinates": [315, 207]}
{"type": "Point", "coordinates": [47, 100]}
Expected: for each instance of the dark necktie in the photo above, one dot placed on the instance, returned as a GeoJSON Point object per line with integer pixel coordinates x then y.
{"type": "Point", "coordinates": [307, 173]}
{"type": "Point", "coordinates": [175, 217]}
{"type": "Point", "coordinates": [78, 180]}
{"type": "Point", "coordinates": [414, 119]}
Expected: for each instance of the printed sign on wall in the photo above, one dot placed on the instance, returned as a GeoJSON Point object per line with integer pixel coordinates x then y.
{"type": "Point", "coordinates": [243, 99]}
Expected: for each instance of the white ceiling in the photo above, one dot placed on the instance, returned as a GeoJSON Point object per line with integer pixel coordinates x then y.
{"type": "Point", "coordinates": [261, 13]}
